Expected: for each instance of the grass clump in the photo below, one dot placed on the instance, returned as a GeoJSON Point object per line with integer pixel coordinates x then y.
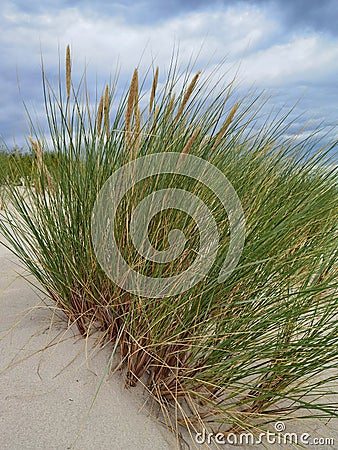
{"type": "Point", "coordinates": [235, 355]}
{"type": "Point", "coordinates": [18, 168]}
{"type": "Point", "coordinates": [14, 164]}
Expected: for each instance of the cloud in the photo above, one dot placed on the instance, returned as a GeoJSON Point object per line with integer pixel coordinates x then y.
{"type": "Point", "coordinates": [272, 54]}
{"type": "Point", "coordinates": [306, 59]}
{"type": "Point", "coordinates": [313, 14]}
{"type": "Point", "coordinates": [309, 14]}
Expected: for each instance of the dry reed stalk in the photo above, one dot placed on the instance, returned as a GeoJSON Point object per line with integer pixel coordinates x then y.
{"type": "Point", "coordinates": [37, 150]}
{"type": "Point", "coordinates": [153, 90]}
{"type": "Point", "coordinates": [99, 116]}
{"type": "Point", "coordinates": [225, 126]}
{"type": "Point", "coordinates": [187, 96]}
{"type": "Point", "coordinates": [106, 111]}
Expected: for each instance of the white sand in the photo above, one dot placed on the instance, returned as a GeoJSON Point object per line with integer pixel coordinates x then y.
{"type": "Point", "coordinates": [46, 396]}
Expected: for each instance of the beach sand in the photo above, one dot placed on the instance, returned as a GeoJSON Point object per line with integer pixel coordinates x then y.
{"type": "Point", "coordinates": [47, 395]}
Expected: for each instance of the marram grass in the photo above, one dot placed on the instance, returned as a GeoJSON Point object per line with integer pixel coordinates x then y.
{"type": "Point", "coordinates": [261, 346]}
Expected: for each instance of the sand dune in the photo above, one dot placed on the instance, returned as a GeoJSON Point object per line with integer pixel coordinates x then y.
{"type": "Point", "coordinates": [46, 395]}
{"type": "Point", "coordinates": [49, 377]}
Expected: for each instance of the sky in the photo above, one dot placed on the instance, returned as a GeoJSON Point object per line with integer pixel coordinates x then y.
{"type": "Point", "coordinates": [286, 48]}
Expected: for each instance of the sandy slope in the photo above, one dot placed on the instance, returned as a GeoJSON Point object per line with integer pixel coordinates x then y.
{"type": "Point", "coordinates": [46, 395]}
{"type": "Point", "coordinates": [45, 398]}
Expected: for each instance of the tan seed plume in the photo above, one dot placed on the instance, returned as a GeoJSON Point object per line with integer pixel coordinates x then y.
{"type": "Point", "coordinates": [187, 96]}
{"type": "Point", "coordinates": [36, 147]}
{"type": "Point", "coordinates": [137, 134]}
{"type": "Point", "coordinates": [204, 141]}
{"type": "Point", "coordinates": [153, 90]}
{"type": "Point", "coordinates": [134, 90]}
{"type": "Point", "coordinates": [225, 126]}
{"type": "Point", "coordinates": [37, 150]}
{"type": "Point", "coordinates": [171, 105]}
{"type": "Point", "coordinates": [68, 71]}
{"type": "Point", "coordinates": [156, 113]}
{"type": "Point", "coordinates": [106, 111]}
{"type": "Point", "coordinates": [191, 141]}
{"type": "Point", "coordinates": [99, 116]}
{"type": "Point", "coordinates": [132, 106]}
{"type": "Point", "coordinates": [88, 109]}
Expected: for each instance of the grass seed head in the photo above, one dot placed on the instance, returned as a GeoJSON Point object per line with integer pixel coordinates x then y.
{"type": "Point", "coordinates": [187, 96]}
{"type": "Point", "coordinates": [106, 110]}
{"type": "Point", "coordinates": [153, 90]}
{"type": "Point", "coordinates": [225, 126]}
{"type": "Point", "coordinates": [137, 135]}
{"type": "Point", "coordinates": [42, 168]}
{"type": "Point", "coordinates": [99, 116]}
{"type": "Point", "coordinates": [68, 71]}
{"type": "Point", "coordinates": [132, 105]}
{"type": "Point", "coordinates": [171, 105]}
{"type": "Point", "coordinates": [36, 147]}
{"type": "Point", "coordinates": [190, 142]}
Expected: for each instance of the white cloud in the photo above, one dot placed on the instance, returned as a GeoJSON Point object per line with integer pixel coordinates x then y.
{"type": "Point", "coordinates": [102, 40]}
{"type": "Point", "coordinates": [302, 58]}
{"type": "Point", "coordinates": [245, 34]}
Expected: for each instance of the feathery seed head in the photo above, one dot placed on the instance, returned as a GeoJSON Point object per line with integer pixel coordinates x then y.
{"type": "Point", "coordinates": [153, 90]}
{"type": "Point", "coordinates": [68, 71]}
{"type": "Point", "coordinates": [99, 116]}
{"type": "Point", "coordinates": [106, 110]}
{"type": "Point", "coordinates": [191, 141]}
{"type": "Point", "coordinates": [132, 105]}
{"type": "Point", "coordinates": [187, 96]}
{"type": "Point", "coordinates": [225, 126]}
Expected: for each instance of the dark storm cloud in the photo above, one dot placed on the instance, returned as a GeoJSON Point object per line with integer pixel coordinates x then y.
{"type": "Point", "coordinates": [278, 42]}
{"type": "Point", "coordinates": [37, 6]}
{"type": "Point", "coordinates": [318, 15]}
